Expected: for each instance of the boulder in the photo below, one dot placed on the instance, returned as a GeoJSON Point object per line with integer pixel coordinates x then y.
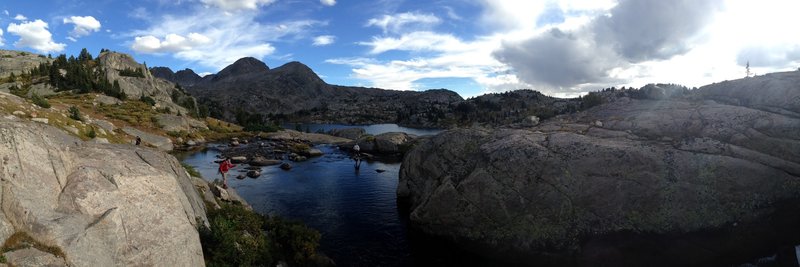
{"type": "Point", "coordinates": [99, 204]}
{"type": "Point", "coordinates": [314, 152]}
{"type": "Point", "coordinates": [41, 89]}
{"type": "Point", "coordinates": [262, 161]}
{"type": "Point", "coordinates": [41, 120]}
{"type": "Point", "coordinates": [100, 140]}
{"type": "Point", "coordinates": [253, 173]}
{"type": "Point", "coordinates": [349, 133]}
{"type": "Point", "coordinates": [72, 130]}
{"type": "Point", "coordinates": [107, 100]}
{"type": "Point", "coordinates": [204, 189]}
{"type": "Point", "coordinates": [569, 192]}
{"type": "Point", "coordinates": [221, 193]}
{"type": "Point", "coordinates": [106, 125]}
{"type": "Point", "coordinates": [286, 166]}
{"type": "Point", "coordinates": [238, 159]}
{"type": "Point", "coordinates": [157, 141]}
{"type": "Point", "coordinates": [390, 143]}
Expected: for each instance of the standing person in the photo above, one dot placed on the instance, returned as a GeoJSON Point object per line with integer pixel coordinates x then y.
{"type": "Point", "coordinates": [138, 140]}
{"type": "Point", "coordinates": [357, 155]}
{"type": "Point", "coordinates": [224, 167]}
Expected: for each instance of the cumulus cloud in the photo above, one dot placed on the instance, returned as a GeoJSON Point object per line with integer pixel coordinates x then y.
{"type": "Point", "coordinates": [211, 38]}
{"type": "Point", "coordinates": [400, 22]}
{"type": "Point", "coordinates": [83, 26]}
{"type": "Point", "coordinates": [1, 37]}
{"type": "Point", "coordinates": [633, 31]}
{"type": "Point", "coordinates": [34, 34]}
{"type": "Point", "coordinates": [324, 40]}
{"type": "Point", "coordinates": [328, 2]}
{"type": "Point", "coordinates": [236, 5]}
{"type": "Point", "coordinates": [20, 17]}
{"type": "Point", "coordinates": [560, 59]}
{"type": "Point", "coordinates": [654, 29]}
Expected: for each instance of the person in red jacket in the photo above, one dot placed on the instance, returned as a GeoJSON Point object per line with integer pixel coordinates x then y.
{"type": "Point", "coordinates": [224, 167]}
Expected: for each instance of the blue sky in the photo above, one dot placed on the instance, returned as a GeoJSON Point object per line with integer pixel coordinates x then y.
{"type": "Point", "coordinates": [559, 47]}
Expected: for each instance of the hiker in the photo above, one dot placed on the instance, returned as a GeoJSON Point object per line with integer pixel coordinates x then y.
{"type": "Point", "coordinates": [224, 167]}
{"type": "Point", "coordinates": [356, 151]}
{"type": "Point", "coordinates": [138, 140]}
{"type": "Point", "coordinates": [357, 155]}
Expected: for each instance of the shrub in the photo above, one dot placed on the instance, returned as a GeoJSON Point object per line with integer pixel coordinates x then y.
{"type": "Point", "coordinates": [591, 100]}
{"type": "Point", "coordinates": [75, 113]}
{"type": "Point", "coordinates": [91, 133]}
{"type": "Point", "coordinates": [40, 101]}
{"type": "Point", "coordinates": [240, 237]}
{"type": "Point", "coordinates": [191, 170]}
{"type": "Point", "coordinates": [132, 73]}
{"type": "Point", "coordinates": [148, 100]}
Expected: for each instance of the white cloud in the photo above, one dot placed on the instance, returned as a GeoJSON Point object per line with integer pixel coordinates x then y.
{"type": "Point", "coordinates": [34, 34]}
{"type": "Point", "coordinates": [236, 5]}
{"type": "Point", "coordinates": [399, 22]}
{"type": "Point", "coordinates": [171, 43]}
{"type": "Point", "coordinates": [328, 2]}
{"type": "Point", "coordinates": [416, 41]}
{"type": "Point", "coordinates": [6, 12]}
{"type": "Point", "coordinates": [1, 38]}
{"type": "Point", "coordinates": [450, 57]}
{"type": "Point", "coordinates": [20, 17]}
{"type": "Point", "coordinates": [83, 26]}
{"type": "Point", "coordinates": [212, 38]}
{"type": "Point", "coordinates": [324, 40]}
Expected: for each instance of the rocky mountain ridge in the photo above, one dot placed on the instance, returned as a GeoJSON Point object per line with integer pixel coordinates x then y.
{"type": "Point", "coordinates": [644, 179]}
{"type": "Point", "coordinates": [249, 86]}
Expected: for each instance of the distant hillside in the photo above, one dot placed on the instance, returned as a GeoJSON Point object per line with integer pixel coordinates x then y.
{"type": "Point", "coordinates": [250, 92]}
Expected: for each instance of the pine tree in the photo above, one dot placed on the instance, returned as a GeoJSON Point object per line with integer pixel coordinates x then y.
{"type": "Point", "coordinates": [747, 68]}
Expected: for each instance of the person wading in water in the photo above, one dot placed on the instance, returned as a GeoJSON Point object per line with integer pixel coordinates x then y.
{"type": "Point", "coordinates": [224, 167]}
{"type": "Point", "coordinates": [357, 155]}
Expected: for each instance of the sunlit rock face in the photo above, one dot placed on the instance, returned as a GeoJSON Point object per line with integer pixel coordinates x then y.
{"type": "Point", "coordinates": [99, 204]}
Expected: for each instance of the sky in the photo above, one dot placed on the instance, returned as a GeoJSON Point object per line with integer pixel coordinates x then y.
{"type": "Point", "coordinates": [562, 48]}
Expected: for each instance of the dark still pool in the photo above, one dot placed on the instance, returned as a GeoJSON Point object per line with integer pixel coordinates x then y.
{"type": "Point", "coordinates": [355, 211]}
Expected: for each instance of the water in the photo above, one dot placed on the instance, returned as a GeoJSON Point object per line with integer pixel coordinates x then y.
{"type": "Point", "coordinates": [355, 211]}
{"type": "Point", "coordinates": [373, 129]}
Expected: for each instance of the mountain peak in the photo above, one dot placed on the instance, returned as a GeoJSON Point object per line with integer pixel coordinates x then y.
{"type": "Point", "coordinates": [244, 65]}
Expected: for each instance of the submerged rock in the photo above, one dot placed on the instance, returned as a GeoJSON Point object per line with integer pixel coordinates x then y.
{"type": "Point", "coordinates": [286, 166]}
{"type": "Point", "coordinates": [253, 173]}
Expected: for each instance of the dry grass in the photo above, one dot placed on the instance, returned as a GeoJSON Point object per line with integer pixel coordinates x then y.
{"type": "Point", "coordinates": [21, 240]}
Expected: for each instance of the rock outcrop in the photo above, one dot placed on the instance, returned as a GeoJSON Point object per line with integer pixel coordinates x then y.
{"type": "Point", "coordinates": [99, 204]}
{"type": "Point", "coordinates": [654, 177]}
{"type": "Point", "coordinates": [160, 90]}
{"type": "Point", "coordinates": [17, 62]}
